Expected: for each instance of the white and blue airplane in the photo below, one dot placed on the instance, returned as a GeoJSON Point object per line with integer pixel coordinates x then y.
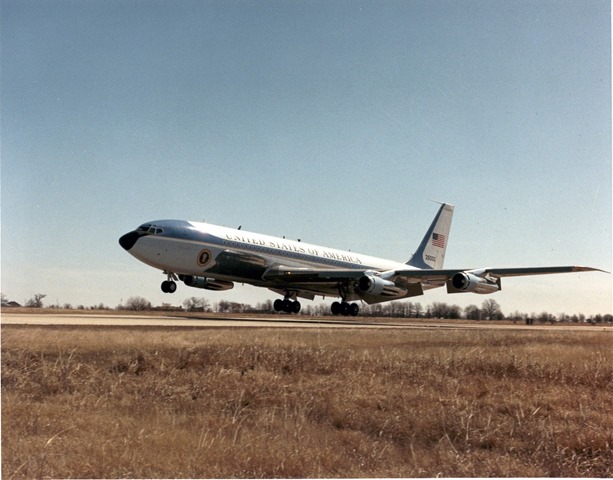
{"type": "Point", "coordinates": [212, 257]}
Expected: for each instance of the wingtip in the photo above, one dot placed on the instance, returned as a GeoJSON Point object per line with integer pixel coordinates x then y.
{"type": "Point", "coordinates": [589, 269]}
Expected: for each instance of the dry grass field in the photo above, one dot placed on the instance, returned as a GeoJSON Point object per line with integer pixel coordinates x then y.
{"type": "Point", "coordinates": [119, 402]}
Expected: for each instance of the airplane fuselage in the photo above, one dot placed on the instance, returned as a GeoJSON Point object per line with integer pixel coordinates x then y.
{"type": "Point", "coordinates": [192, 248]}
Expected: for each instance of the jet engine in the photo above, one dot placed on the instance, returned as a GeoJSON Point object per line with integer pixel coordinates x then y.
{"type": "Point", "coordinates": [467, 282]}
{"type": "Point", "coordinates": [206, 283]}
{"type": "Point", "coordinates": [373, 285]}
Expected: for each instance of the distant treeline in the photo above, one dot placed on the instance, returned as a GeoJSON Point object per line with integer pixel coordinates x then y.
{"type": "Point", "coordinates": [489, 310]}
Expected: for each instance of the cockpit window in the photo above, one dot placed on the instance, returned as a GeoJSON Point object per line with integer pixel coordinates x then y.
{"type": "Point", "coordinates": [151, 229]}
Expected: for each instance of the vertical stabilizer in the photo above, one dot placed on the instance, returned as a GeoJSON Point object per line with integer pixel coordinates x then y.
{"type": "Point", "coordinates": [431, 251]}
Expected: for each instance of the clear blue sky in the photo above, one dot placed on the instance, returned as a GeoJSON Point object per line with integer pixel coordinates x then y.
{"type": "Point", "coordinates": [330, 121]}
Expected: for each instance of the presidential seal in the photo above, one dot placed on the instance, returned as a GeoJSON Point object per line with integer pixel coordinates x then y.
{"type": "Point", "coordinates": [204, 257]}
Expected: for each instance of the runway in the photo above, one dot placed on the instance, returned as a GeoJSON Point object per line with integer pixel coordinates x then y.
{"type": "Point", "coordinates": [273, 321]}
{"type": "Point", "coordinates": [202, 321]}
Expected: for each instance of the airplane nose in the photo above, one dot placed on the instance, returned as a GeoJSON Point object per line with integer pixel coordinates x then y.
{"type": "Point", "coordinates": [128, 240]}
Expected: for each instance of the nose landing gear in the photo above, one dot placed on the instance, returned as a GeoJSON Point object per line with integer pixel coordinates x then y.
{"type": "Point", "coordinates": [169, 286]}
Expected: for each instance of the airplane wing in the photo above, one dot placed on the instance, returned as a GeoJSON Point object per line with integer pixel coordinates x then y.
{"type": "Point", "coordinates": [481, 280]}
{"type": "Point", "coordinates": [407, 282]}
{"type": "Point", "coordinates": [442, 275]}
{"type": "Point", "coordinates": [493, 272]}
{"type": "Point", "coordinates": [309, 275]}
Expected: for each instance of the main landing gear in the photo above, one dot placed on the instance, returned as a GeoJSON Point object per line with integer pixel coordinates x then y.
{"type": "Point", "coordinates": [287, 306]}
{"type": "Point", "coordinates": [169, 286]}
{"type": "Point", "coordinates": [345, 309]}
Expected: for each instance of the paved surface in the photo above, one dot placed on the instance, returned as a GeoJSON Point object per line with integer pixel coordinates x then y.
{"type": "Point", "coordinates": [204, 321]}
{"type": "Point", "coordinates": [183, 321]}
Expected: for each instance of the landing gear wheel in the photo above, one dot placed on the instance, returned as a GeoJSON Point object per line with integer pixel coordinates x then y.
{"type": "Point", "coordinates": [169, 286]}
{"type": "Point", "coordinates": [287, 306]}
{"type": "Point", "coordinates": [345, 307]}
{"type": "Point", "coordinates": [335, 308]}
{"type": "Point", "coordinates": [296, 307]}
{"type": "Point", "coordinates": [354, 309]}
{"type": "Point", "coordinates": [278, 305]}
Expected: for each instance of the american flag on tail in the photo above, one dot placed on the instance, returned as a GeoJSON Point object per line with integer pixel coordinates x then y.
{"type": "Point", "coordinates": [438, 240]}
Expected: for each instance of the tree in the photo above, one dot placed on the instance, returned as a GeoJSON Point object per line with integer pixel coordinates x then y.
{"type": "Point", "coordinates": [517, 316]}
{"type": "Point", "coordinates": [138, 304]}
{"type": "Point", "coordinates": [196, 304]}
{"type": "Point", "coordinates": [395, 309]}
{"type": "Point", "coordinates": [36, 301]}
{"type": "Point", "coordinates": [444, 310]}
{"type": "Point", "coordinates": [546, 317]}
{"type": "Point", "coordinates": [232, 307]}
{"type": "Point", "coordinates": [491, 310]}
{"type": "Point", "coordinates": [472, 312]}
{"type": "Point", "coordinates": [264, 307]}
{"type": "Point", "coordinates": [454, 312]}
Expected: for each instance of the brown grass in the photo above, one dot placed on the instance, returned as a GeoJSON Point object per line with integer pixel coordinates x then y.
{"type": "Point", "coordinates": [151, 402]}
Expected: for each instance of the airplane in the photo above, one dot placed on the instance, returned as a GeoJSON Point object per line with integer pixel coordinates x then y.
{"type": "Point", "coordinates": [212, 257]}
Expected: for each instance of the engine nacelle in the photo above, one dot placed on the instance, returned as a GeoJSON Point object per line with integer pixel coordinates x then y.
{"type": "Point", "coordinates": [373, 285]}
{"type": "Point", "coordinates": [467, 282]}
{"type": "Point", "coordinates": [207, 283]}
